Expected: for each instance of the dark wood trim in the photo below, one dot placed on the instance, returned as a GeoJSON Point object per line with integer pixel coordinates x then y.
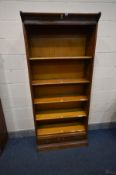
{"type": "Point", "coordinates": [3, 130]}
{"type": "Point", "coordinates": [87, 18]}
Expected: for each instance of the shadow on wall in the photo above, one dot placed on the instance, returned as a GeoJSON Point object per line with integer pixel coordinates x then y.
{"type": "Point", "coordinates": [5, 95]}
{"type": "Point", "coordinates": [112, 109]}
{"type": "Point", "coordinates": [110, 115]}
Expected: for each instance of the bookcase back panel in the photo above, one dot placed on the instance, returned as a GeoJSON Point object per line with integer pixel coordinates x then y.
{"type": "Point", "coordinates": [55, 106]}
{"type": "Point", "coordinates": [60, 69]}
{"type": "Point", "coordinates": [61, 121]}
{"type": "Point", "coordinates": [56, 46]}
{"type": "Point", "coordinates": [69, 30]}
{"type": "Point", "coordinates": [59, 90]}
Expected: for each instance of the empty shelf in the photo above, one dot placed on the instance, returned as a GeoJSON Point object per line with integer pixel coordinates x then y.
{"type": "Point", "coordinates": [57, 58]}
{"type": "Point", "coordinates": [60, 128]}
{"type": "Point", "coordinates": [60, 99]}
{"type": "Point", "coordinates": [59, 81]}
{"type": "Point", "coordinates": [60, 114]}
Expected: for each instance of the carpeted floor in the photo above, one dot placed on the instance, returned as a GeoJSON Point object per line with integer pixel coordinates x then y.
{"type": "Point", "coordinates": [99, 158]}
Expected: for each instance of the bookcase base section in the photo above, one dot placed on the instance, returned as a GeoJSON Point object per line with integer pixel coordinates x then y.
{"type": "Point", "coordinates": [55, 146]}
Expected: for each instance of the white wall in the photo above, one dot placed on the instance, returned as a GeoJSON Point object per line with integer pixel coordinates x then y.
{"type": "Point", "coordinates": [14, 87]}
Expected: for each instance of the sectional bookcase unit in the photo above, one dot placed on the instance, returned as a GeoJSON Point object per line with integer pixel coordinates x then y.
{"type": "Point", "coordinates": [60, 52]}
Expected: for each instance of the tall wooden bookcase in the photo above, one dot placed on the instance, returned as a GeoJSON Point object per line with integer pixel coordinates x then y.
{"type": "Point", "coordinates": [60, 52]}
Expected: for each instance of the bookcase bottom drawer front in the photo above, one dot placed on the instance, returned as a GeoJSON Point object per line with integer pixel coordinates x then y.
{"type": "Point", "coordinates": [61, 145]}
{"type": "Point", "coordinates": [61, 138]}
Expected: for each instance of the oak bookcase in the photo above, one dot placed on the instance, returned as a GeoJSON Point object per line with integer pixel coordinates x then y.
{"type": "Point", "coordinates": [60, 52]}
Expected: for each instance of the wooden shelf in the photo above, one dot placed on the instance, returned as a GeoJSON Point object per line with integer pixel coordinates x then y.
{"type": "Point", "coordinates": [60, 128]}
{"type": "Point", "coordinates": [57, 58]}
{"type": "Point", "coordinates": [59, 81]}
{"type": "Point", "coordinates": [60, 99]}
{"type": "Point", "coordinates": [60, 114]}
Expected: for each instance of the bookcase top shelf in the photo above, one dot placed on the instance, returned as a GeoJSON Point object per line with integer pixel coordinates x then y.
{"type": "Point", "coordinates": [60, 18]}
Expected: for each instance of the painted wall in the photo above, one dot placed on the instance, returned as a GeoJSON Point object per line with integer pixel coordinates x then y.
{"type": "Point", "coordinates": [14, 87]}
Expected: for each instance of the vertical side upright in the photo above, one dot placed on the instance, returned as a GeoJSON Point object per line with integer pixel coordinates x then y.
{"type": "Point", "coordinates": [90, 50]}
{"type": "Point", "coordinates": [29, 68]}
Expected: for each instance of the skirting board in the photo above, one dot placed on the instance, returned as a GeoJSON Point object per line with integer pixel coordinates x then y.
{"type": "Point", "coordinates": [27, 133]}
